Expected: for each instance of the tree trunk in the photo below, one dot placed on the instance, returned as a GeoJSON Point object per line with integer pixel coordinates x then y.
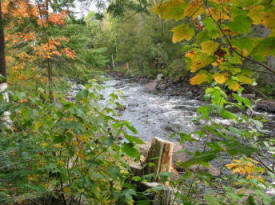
{"type": "Point", "coordinates": [159, 158]}
{"type": "Point", "coordinates": [2, 49]}
{"type": "Point", "coordinates": [3, 80]}
{"type": "Point", "coordinates": [161, 194]}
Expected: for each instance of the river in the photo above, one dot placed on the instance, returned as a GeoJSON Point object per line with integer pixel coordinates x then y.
{"type": "Point", "coordinates": [158, 113]}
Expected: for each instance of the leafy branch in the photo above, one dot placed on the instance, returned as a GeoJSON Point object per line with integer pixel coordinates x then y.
{"type": "Point", "coordinates": [231, 46]}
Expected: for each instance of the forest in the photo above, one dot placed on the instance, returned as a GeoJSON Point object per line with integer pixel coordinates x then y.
{"type": "Point", "coordinates": [137, 102]}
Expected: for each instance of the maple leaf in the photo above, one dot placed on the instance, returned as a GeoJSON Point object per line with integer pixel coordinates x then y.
{"type": "Point", "coordinates": [173, 9]}
{"type": "Point", "coordinates": [199, 60]}
{"type": "Point", "coordinates": [209, 46]}
{"type": "Point", "coordinates": [220, 78]}
{"type": "Point", "coordinates": [200, 78]}
{"type": "Point", "coordinates": [182, 32]}
{"type": "Point", "coordinates": [194, 9]}
{"type": "Point", "coordinates": [233, 85]}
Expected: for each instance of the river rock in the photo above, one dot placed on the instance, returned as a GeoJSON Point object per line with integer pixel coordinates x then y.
{"type": "Point", "coordinates": [266, 105]}
{"type": "Point", "coordinates": [152, 85]}
{"type": "Point", "coordinates": [215, 172]}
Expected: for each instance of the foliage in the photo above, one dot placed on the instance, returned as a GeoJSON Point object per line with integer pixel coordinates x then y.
{"type": "Point", "coordinates": [222, 45]}
{"type": "Point", "coordinates": [223, 37]}
{"type": "Point", "coordinates": [64, 151]}
{"type": "Point", "coordinates": [46, 43]}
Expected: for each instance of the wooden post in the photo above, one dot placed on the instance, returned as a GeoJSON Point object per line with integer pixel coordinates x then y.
{"type": "Point", "coordinates": [159, 158]}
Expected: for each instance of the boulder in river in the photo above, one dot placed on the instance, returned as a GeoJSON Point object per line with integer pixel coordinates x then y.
{"type": "Point", "coordinates": [152, 86]}
{"type": "Point", "coordinates": [266, 105]}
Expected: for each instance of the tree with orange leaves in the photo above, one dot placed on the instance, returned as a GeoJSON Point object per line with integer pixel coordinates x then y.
{"type": "Point", "coordinates": [31, 25]}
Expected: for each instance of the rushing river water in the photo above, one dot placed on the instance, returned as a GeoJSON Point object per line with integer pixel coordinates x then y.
{"type": "Point", "coordinates": [157, 114]}
{"type": "Point", "coordinates": [153, 114]}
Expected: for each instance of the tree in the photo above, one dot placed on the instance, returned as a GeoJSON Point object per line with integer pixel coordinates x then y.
{"type": "Point", "coordinates": [2, 48]}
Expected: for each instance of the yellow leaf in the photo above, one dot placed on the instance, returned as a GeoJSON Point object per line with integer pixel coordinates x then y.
{"type": "Point", "coordinates": [44, 144]}
{"type": "Point", "coordinates": [259, 15]}
{"type": "Point", "coordinates": [199, 60]}
{"type": "Point", "coordinates": [233, 85]}
{"type": "Point", "coordinates": [200, 78]}
{"type": "Point", "coordinates": [218, 14]}
{"type": "Point", "coordinates": [58, 146]}
{"type": "Point", "coordinates": [67, 190]}
{"type": "Point", "coordinates": [209, 47]}
{"type": "Point", "coordinates": [182, 32]}
{"type": "Point", "coordinates": [220, 77]}
{"type": "Point", "coordinates": [194, 9]}
{"type": "Point", "coordinates": [173, 9]}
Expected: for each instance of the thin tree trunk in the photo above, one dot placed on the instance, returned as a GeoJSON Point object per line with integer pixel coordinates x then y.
{"type": "Point", "coordinates": [2, 49]}
{"type": "Point", "coordinates": [3, 80]}
{"type": "Point", "coordinates": [49, 68]}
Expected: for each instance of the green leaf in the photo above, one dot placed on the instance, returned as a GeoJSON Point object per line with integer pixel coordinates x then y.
{"type": "Point", "coordinates": [211, 28]}
{"type": "Point", "coordinates": [202, 36]}
{"type": "Point", "coordinates": [200, 158]}
{"type": "Point", "coordinates": [265, 48]}
{"type": "Point", "coordinates": [130, 150]}
{"type": "Point", "coordinates": [136, 178]}
{"type": "Point", "coordinates": [185, 137]}
{"type": "Point", "coordinates": [250, 200]}
{"type": "Point", "coordinates": [134, 139]}
{"type": "Point", "coordinates": [211, 200]}
{"type": "Point", "coordinates": [234, 148]}
{"type": "Point", "coordinates": [130, 127]}
{"type": "Point", "coordinates": [241, 24]}
{"type": "Point", "coordinates": [228, 115]}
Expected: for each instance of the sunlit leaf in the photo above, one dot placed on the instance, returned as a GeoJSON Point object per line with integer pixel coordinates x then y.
{"type": "Point", "coordinates": [200, 78]}
{"type": "Point", "coordinates": [209, 47]}
{"type": "Point", "coordinates": [220, 78]}
{"type": "Point", "coordinates": [199, 60]}
{"type": "Point", "coordinates": [233, 85]}
{"type": "Point", "coordinates": [173, 9]}
{"type": "Point", "coordinates": [182, 32]}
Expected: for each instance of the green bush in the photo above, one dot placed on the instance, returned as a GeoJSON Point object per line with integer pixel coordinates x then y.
{"type": "Point", "coordinates": [67, 151]}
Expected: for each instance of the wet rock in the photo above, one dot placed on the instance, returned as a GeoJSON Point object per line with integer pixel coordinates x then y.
{"type": "Point", "coordinates": [215, 172]}
{"type": "Point", "coordinates": [266, 105]}
{"type": "Point", "coordinates": [162, 86]}
{"type": "Point", "coordinates": [186, 107]}
{"type": "Point", "coordinates": [133, 105]}
{"type": "Point", "coordinates": [152, 86]}
{"type": "Point", "coordinates": [169, 128]}
{"type": "Point", "coordinates": [143, 148]}
{"type": "Point", "coordinates": [250, 96]}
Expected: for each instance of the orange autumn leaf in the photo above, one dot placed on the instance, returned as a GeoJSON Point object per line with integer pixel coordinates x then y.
{"type": "Point", "coordinates": [69, 53]}
{"type": "Point", "coordinates": [57, 19]}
